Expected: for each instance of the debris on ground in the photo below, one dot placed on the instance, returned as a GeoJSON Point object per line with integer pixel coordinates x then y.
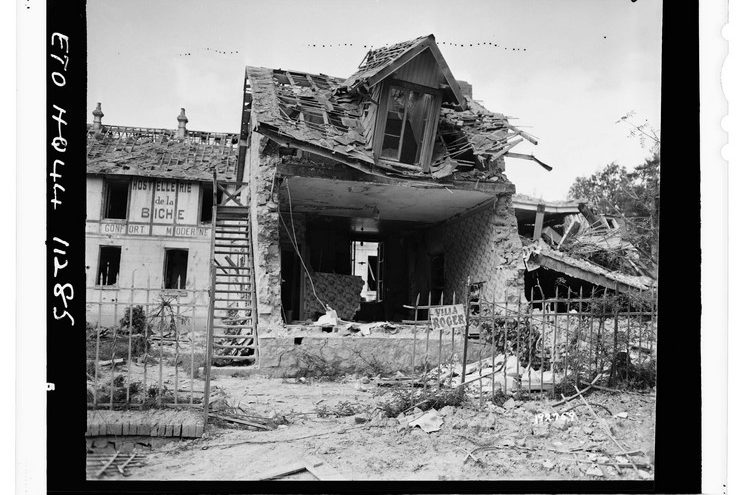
{"type": "Point", "coordinates": [379, 433]}
{"type": "Point", "coordinates": [428, 422]}
{"type": "Point", "coordinates": [102, 464]}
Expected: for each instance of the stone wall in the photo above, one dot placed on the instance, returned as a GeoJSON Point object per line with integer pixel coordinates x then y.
{"type": "Point", "coordinates": [290, 356]}
{"type": "Point", "coordinates": [265, 227]}
{"type": "Point", "coordinates": [484, 246]}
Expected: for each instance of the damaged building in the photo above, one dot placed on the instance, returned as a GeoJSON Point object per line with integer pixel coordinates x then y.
{"type": "Point", "coordinates": [345, 198]}
{"type": "Point", "coordinates": [398, 156]}
{"type": "Point", "coordinates": [149, 214]}
{"type": "Point", "coordinates": [568, 247]}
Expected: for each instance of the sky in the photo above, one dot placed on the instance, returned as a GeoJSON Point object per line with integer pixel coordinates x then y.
{"type": "Point", "coordinates": [577, 66]}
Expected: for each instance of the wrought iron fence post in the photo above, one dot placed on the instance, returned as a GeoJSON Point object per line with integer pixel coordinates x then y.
{"type": "Point", "coordinates": [467, 306]}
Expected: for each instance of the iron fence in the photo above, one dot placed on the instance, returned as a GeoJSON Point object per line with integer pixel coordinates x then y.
{"type": "Point", "coordinates": [144, 346]}
{"type": "Point", "coordinates": [535, 344]}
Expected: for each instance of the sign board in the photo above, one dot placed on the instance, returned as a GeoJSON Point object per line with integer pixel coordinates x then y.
{"type": "Point", "coordinates": [164, 202]}
{"type": "Point", "coordinates": [159, 208]}
{"type": "Point", "coordinates": [448, 317]}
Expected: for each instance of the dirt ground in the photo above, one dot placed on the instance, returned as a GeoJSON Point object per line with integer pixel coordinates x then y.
{"type": "Point", "coordinates": [487, 442]}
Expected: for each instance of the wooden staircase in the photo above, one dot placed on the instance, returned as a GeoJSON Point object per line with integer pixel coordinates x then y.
{"type": "Point", "coordinates": [232, 312]}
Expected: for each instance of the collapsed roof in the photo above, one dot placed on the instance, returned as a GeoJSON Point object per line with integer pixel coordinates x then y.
{"type": "Point", "coordinates": [540, 253]}
{"type": "Point", "coordinates": [576, 241]}
{"type": "Point", "coordinates": [161, 153]}
{"type": "Point", "coordinates": [330, 116]}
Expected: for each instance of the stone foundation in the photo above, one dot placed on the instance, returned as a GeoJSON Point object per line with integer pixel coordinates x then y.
{"type": "Point", "coordinates": [296, 355]}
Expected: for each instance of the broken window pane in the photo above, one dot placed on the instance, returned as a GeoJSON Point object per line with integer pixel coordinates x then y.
{"type": "Point", "coordinates": [109, 258]}
{"type": "Point", "coordinates": [408, 112]}
{"type": "Point", "coordinates": [176, 262]}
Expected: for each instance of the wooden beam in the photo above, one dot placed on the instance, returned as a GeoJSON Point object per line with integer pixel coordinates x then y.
{"type": "Point", "coordinates": [538, 226]}
{"type": "Point", "coordinates": [340, 172]}
{"type": "Point", "coordinates": [529, 157]}
{"type": "Point", "coordinates": [587, 276]}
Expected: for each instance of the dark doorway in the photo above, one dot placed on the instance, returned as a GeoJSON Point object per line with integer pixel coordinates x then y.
{"type": "Point", "coordinates": [291, 280]}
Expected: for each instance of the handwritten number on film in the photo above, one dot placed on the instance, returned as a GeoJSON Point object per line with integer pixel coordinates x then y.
{"type": "Point", "coordinates": [63, 291]}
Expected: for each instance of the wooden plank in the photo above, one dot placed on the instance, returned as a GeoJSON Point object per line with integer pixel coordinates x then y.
{"type": "Point", "coordinates": [321, 469]}
{"type": "Point", "coordinates": [538, 225]}
{"type": "Point", "coordinates": [290, 468]}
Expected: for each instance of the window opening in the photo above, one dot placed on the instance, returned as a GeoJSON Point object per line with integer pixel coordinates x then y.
{"type": "Point", "coordinates": [205, 214]}
{"type": "Point", "coordinates": [109, 258]}
{"type": "Point", "coordinates": [117, 195]}
{"type": "Point", "coordinates": [313, 116]}
{"type": "Point", "coordinates": [176, 261]}
{"type": "Point", "coordinates": [300, 79]}
{"type": "Point", "coordinates": [406, 122]}
{"type": "Point", "coordinates": [365, 266]}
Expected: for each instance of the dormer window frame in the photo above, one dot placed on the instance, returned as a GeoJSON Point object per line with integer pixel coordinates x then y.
{"type": "Point", "coordinates": [429, 133]}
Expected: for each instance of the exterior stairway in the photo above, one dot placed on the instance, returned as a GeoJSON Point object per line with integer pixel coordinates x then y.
{"type": "Point", "coordinates": [232, 323]}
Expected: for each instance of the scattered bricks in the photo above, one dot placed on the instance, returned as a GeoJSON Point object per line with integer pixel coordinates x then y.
{"type": "Point", "coordinates": [509, 404]}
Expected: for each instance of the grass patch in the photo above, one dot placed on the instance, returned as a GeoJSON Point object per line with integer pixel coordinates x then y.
{"type": "Point", "coordinates": [342, 409]}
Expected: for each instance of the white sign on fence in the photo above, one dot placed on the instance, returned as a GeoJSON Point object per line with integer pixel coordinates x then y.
{"type": "Point", "coordinates": [448, 317]}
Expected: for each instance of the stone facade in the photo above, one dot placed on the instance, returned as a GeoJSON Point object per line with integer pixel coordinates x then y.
{"type": "Point", "coordinates": [265, 227]}
{"type": "Point", "coordinates": [486, 247]}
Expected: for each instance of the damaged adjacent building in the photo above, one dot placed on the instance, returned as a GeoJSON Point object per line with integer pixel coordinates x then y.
{"type": "Point", "coordinates": [567, 245]}
{"type": "Point", "coordinates": [149, 212]}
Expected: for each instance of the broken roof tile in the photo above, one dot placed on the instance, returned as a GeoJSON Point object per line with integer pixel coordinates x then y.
{"type": "Point", "coordinates": [150, 152]}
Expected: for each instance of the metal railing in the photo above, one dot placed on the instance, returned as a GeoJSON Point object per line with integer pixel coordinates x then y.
{"type": "Point", "coordinates": [144, 347]}
{"type": "Point", "coordinates": [534, 344]}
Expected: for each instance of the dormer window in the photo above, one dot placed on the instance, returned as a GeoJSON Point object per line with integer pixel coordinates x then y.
{"type": "Point", "coordinates": [407, 123]}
